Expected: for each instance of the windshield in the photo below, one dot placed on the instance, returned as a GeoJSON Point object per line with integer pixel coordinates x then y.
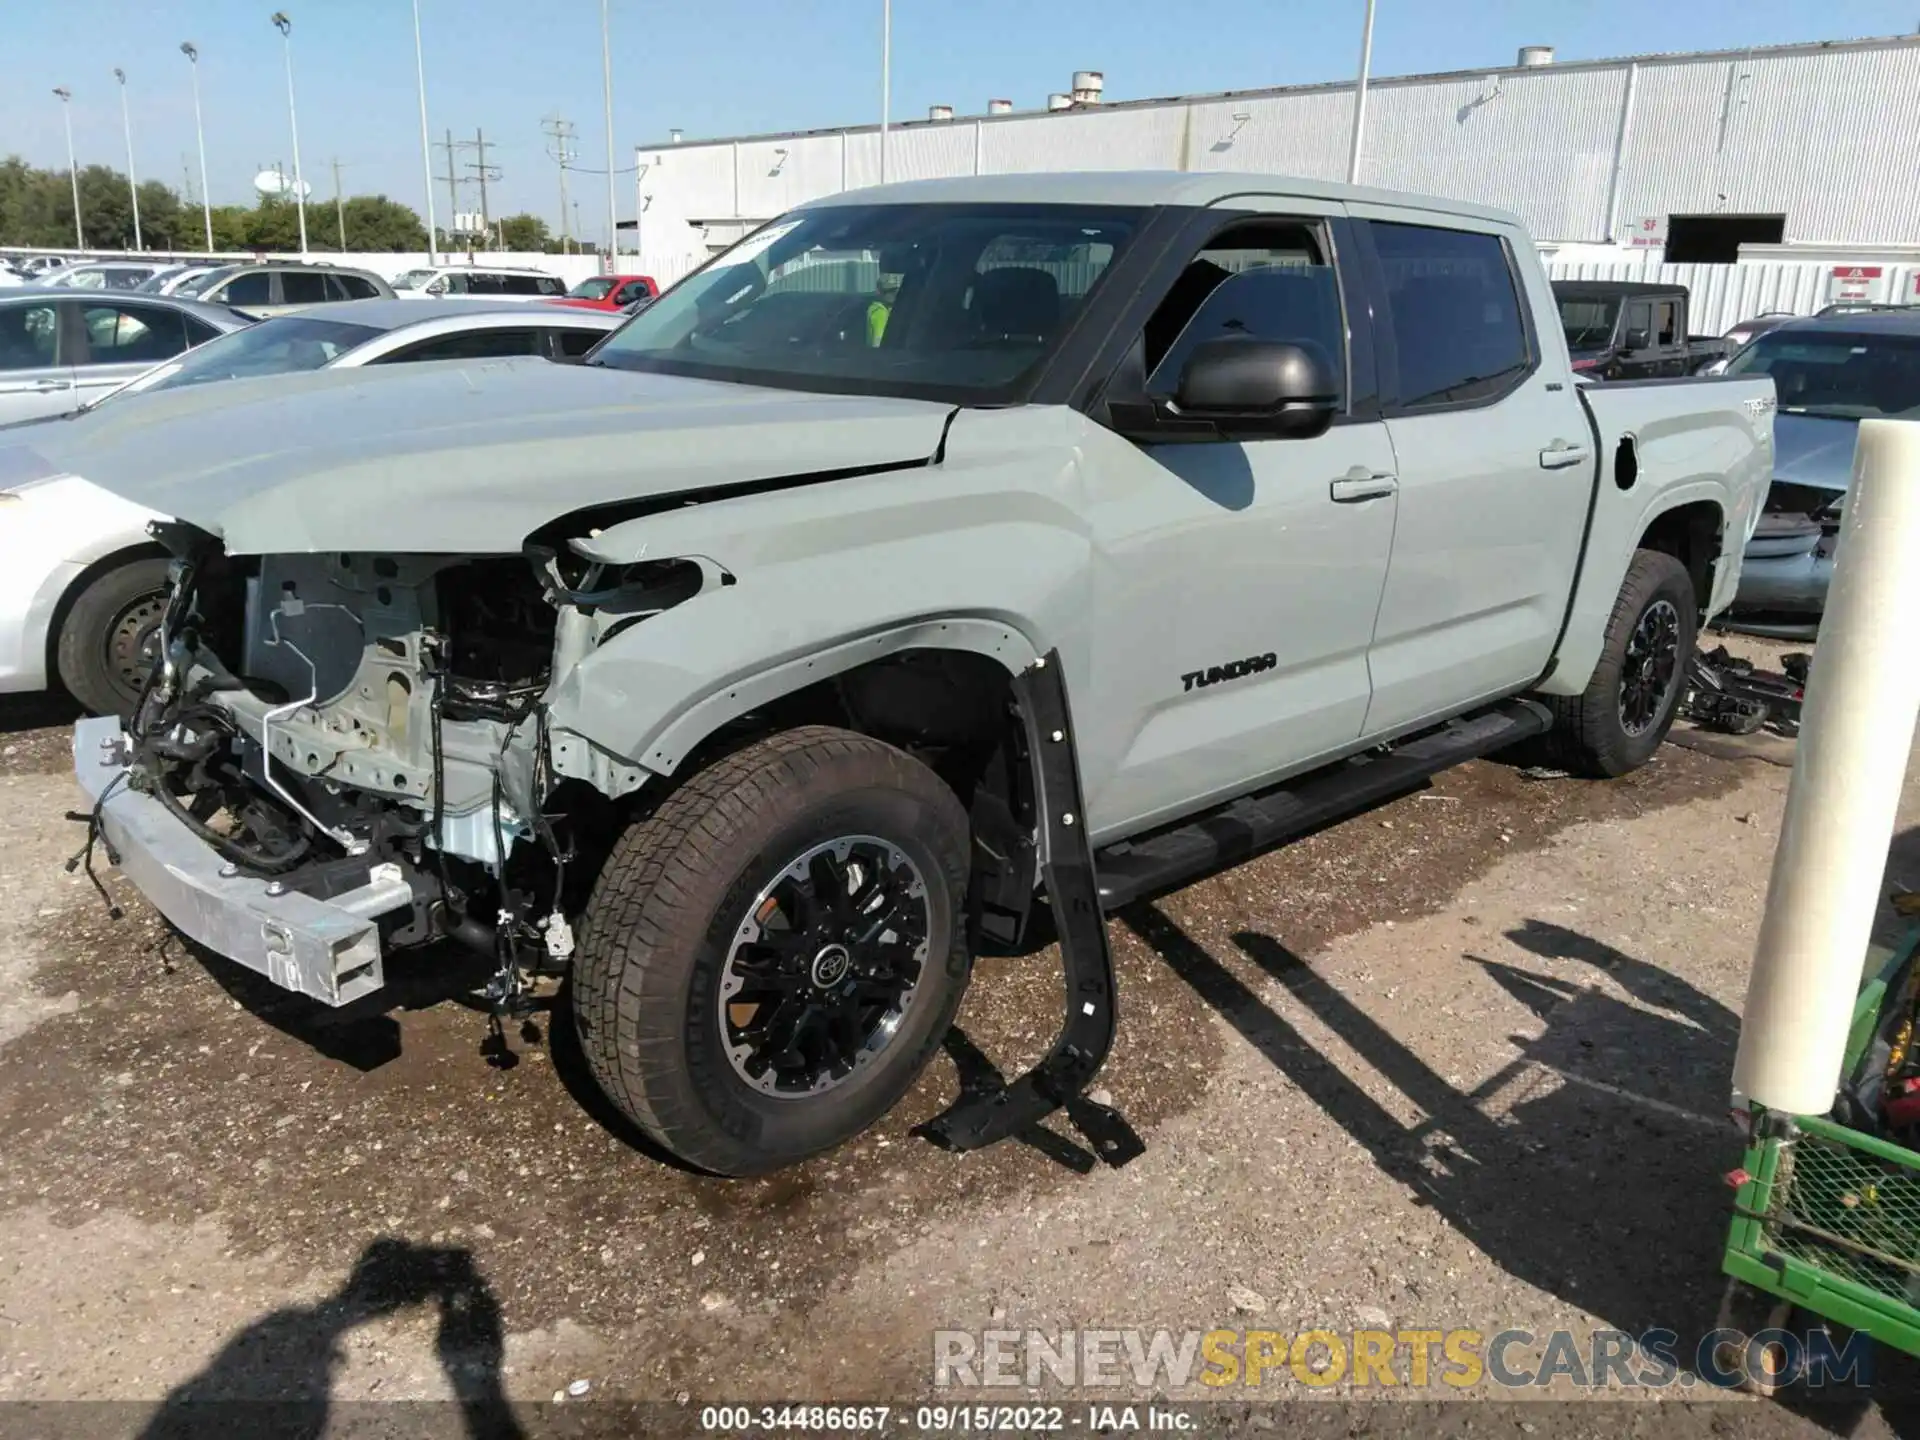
{"type": "Point", "coordinates": [414, 279]}
{"type": "Point", "coordinates": [594, 287]}
{"type": "Point", "coordinates": [1588, 320]}
{"type": "Point", "coordinates": [1843, 377]}
{"type": "Point", "coordinates": [273, 347]}
{"type": "Point", "coordinates": [947, 302]}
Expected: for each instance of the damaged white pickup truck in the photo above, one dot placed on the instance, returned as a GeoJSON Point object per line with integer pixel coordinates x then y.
{"type": "Point", "coordinates": [935, 547]}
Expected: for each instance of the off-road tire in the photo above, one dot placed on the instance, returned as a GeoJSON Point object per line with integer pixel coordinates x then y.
{"type": "Point", "coordinates": [1588, 735]}
{"type": "Point", "coordinates": [656, 933]}
{"type": "Point", "coordinates": [83, 654]}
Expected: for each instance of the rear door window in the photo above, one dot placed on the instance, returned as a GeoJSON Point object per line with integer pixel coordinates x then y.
{"type": "Point", "coordinates": [123, 334]}
{"type": "Point", "coordinates": [572, 344]}
{"type": "Point", "coordinates": [1453, 312]}
{"type": "Point", "coordinates": [303, 287]}
{"type": "Point", "coordinates": [253, 288]}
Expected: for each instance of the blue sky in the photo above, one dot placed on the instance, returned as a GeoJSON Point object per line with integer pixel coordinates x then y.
{"type": "Point", "coordinates": [717, 67]}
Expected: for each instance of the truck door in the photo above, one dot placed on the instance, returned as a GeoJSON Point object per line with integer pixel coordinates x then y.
{"type": "Point", "coordinates": [1236, 581]}
{"type": "Point", "coordinates": [1495, 463]}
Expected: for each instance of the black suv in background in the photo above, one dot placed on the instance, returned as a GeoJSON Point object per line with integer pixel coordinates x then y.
{"type": "Point", "coordinates": [1624, 330]}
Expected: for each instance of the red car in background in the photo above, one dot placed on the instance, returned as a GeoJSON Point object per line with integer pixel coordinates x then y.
{"type": "Point", "coordinates": [610, 292]}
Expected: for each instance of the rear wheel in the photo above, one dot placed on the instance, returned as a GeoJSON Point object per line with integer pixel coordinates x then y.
{"type": "Point", "coordinates": [1623, 715]}
{"type": "Point", "coordinates": [106, 644]}
{"type": "Point", "coordinates": [771, 958]}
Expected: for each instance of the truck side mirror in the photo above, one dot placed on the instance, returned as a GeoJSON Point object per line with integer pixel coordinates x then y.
{"type": "Point", "coordinates": [1639, 339]}
{"type": "Point", "coordinates": [1258, 389]}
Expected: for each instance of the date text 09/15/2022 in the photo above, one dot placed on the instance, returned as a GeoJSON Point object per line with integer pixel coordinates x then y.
{"type": "Point", "coordinates": [946, 1419]}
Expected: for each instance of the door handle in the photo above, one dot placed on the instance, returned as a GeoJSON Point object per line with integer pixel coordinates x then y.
{"type": "Point", "coordinates": [1559, 455]}
{"type": "Point", "coordinates": [1359, 484]}
{"type": "Point", "coordinates": [53, 384]}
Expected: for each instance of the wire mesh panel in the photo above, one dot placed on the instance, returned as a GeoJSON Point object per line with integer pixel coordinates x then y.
{"type": "Point", "coordinates": [1849, 1212]}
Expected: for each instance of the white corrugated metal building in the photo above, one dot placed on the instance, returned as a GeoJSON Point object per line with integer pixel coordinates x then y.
{"type": "Point", "coordinates": [1794, 145]}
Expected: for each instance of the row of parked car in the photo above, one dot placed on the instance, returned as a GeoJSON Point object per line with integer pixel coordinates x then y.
{"type": "Point", "coordinates": [85, 615]}
{"type": "Point", "coordinates": [1849, 362]}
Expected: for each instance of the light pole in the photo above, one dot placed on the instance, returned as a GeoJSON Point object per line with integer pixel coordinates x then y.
{"type": "Point", "coordinates": [285, 27]}
{"type": "Point", "coordinates": [1360, 99]}
{"type": "Point", "coordinates": [426, 150]}
{"type": "Point", "coordinates": [199, 134]}
{"type": "Point", "coordinates": [886, 79]}
{"type": "Point", "coordinates": [613, 203]}
{"type": "Point", "coordinates": [73, 170]}
{"type": "Point", "coordinates": [133, 186]}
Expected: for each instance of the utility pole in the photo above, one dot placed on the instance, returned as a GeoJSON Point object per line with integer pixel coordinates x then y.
{"type": "Point", "coordinates": [452, 177]}
{"type": "Point", "coordinates": [1360, 99]}
{"type": "Point", "coordinates": [483, 172]}
{"type": "Point", "coordinates": [559, 133]}
{"type": "Point", "coordinates": [339, 206]}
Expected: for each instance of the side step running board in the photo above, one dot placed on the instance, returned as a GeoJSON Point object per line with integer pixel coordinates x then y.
{"type": "Point", "coordinates": [1242, 828]}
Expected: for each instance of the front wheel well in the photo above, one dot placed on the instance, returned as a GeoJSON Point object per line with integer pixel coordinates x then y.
{"type": "Point", "coordinates": [954, 711]}
{"type": "Point", "coordinates": [77, 587]}
{"type": "Point", "coordinates": [1693, 534]}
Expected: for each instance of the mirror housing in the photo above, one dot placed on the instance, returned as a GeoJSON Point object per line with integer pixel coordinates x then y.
{"type": "Point", "coordinates": [1257, 389]}
{"type": "Point", "coordinates": [1639, 339]}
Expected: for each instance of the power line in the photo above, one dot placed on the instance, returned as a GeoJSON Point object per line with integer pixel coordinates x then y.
{"type": "Point", "coordinates": [482, 172]}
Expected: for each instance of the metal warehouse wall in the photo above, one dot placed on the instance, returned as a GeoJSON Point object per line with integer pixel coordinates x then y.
{"type": "Point", "coordinates": [1825, 135]}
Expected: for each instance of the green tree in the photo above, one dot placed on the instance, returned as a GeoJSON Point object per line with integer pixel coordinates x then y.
{"type": "Point", "coordinates": [523, 232]}
{"type": "Point", "coordinates": [376, 223]}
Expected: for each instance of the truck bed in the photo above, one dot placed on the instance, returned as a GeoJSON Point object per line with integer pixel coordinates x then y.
{"type": "Point", "coordinates": [1660, 444]}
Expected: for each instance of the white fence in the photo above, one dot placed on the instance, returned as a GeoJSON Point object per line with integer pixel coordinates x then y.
{"type": "Point", "coordinates": [1721, 296]}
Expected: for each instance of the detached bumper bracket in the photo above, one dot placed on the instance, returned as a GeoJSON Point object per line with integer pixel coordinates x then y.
{"type": "Point", "coordinates": [1086, 1035]}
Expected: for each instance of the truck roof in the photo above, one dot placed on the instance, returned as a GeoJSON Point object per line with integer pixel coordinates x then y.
{"type": "Point", "coordinates": [1614, 287]}
{"type": "Point", "coordinates": [1141, 187]}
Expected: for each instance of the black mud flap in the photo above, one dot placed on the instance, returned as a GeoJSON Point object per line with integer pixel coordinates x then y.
{"type": "Point", "coordinates": [982, 1116]}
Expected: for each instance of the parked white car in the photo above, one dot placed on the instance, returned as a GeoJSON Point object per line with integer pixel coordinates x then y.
{"type": "Point", "coordinates": [480, 282]}
{"type": "Point", "coordinates": [82, 585]}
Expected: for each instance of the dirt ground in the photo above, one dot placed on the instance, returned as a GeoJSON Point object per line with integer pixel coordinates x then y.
{"type": "Point", "coordinates": [1461, 1062]}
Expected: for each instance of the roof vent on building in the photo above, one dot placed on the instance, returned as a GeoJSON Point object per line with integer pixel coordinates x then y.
{"type": "Point", "coordinates": [940, 112]}
{"type": "Point", "coordinates": [1532, 56]}
{"type": "Point", "coordinates": [1087, 85]}
{"type": "Point", "coordinates": [674, 137]}
{"type": "Point", "coordinates": [999, 107]}
{"type": "Point", "coordinates": [1057, 101]}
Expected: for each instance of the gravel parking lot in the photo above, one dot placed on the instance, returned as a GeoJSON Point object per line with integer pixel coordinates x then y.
{"type": "Point", "coordinates": [1460, 1062]}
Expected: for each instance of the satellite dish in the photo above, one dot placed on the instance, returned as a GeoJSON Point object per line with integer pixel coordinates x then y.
{"type": "Point", "coordinates": [278, 183]}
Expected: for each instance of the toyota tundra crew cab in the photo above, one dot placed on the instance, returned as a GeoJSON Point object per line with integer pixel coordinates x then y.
{"type": "Point", "coordinates": [935, 548]}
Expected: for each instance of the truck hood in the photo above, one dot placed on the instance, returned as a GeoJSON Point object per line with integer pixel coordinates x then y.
{"type": "Point", "coordinates": [1813, 450]}
{"type": "Point", "coordinates": [465, 458]}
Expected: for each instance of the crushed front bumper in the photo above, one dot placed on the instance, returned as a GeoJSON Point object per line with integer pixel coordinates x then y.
{"type": "Point", "coordinates": [327, 949]}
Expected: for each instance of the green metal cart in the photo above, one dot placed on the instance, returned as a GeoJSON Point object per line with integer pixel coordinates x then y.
{"type": "Point", "coordinates": [1828, 1218]}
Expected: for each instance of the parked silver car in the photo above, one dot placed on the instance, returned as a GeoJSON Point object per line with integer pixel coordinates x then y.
{"type": "Point", "coordinates": [104, 275]}
{"type": "Point", "coordinates": [60, 348]}
{"type": "Point", "coordinates": [384, 332]}
{"type": "Point", "coordinates": [274, 287]}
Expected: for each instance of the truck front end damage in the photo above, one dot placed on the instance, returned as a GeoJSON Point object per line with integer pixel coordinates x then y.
{"type": "Point", "coordinates": [340, 755]}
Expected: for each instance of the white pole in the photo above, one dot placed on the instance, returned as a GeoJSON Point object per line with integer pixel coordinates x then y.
{"type": "Point", "coordinates": [886, 79]}
{"type": "Point", "coordinates": [1360, 99]}
{"type": "Point", "coordinates": [1856, 728]}
{"type": "Point", "coordinates": [73, 170]}
{"type": "Point", "coordinates": [200, 134]}
{"type": "Point", "coordinates": [285, 27]}
{"type": "Point", "coordinates": [613, 202]}
{"type": "Point", "coordinates": [426, 150]}
{"type": "Point", "coordinates": [133, 185]}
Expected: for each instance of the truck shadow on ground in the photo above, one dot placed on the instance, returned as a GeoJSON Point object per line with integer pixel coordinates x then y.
{"type": "Point", "coordinates": [1590, 1166]}
{"type": "Point", "coordinates": [276, 1375]}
